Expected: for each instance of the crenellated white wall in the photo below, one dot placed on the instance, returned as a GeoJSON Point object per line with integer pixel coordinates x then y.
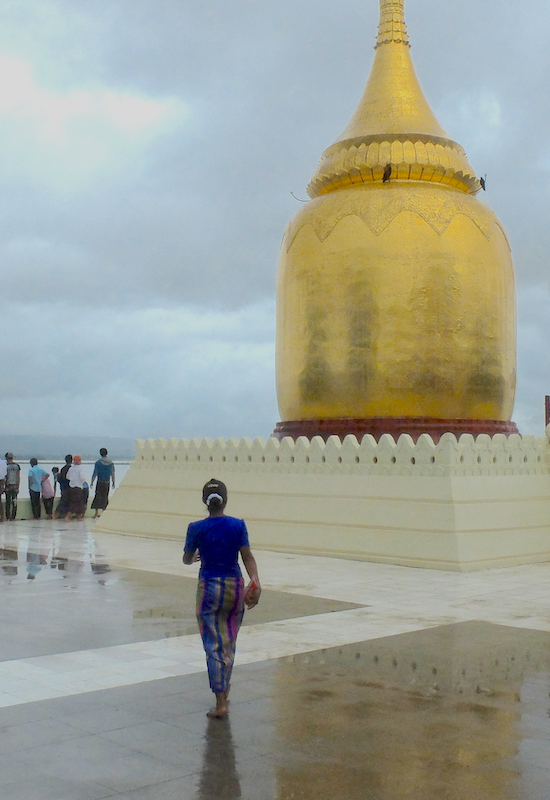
{"type": "Point", "coordinates": [499, 455]}
{"type": "Point", "coordinates": [460, 505]}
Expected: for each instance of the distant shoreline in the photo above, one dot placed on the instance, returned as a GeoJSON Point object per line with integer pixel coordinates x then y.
{"type": "Point", "coordinates": [61, 459]}
{"type": "Point", "coordinates": [55, 448]}
{"type": "Point", "coordinates": [52, 459]}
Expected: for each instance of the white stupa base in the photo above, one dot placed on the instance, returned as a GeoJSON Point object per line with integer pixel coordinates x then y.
{"type": "Point", "coordinates": [463, 506]}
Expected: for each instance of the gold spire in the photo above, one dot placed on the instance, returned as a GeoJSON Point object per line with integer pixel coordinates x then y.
{"type": "Point", "coordinates": [393, 124]}
{"type": "Point", "coordinates": [392, 27]}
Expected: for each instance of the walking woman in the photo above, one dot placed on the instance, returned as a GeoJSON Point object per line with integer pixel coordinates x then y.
{"type": "Point", "coordinates": [217, 541]}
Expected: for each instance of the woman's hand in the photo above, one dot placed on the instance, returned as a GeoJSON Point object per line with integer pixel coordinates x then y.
{"type": "Point", "coordinates": [253, 592]}
{"type": "Point", "coordinates": [253, 598]}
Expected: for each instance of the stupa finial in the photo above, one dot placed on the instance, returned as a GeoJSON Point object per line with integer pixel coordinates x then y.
{"type": "Point", "coordinates": [393, 125]}
{"type": "Point", "coordinates": [392, 27]}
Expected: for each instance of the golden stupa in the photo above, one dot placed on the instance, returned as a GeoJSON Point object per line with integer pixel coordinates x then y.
{"type": "Point", "coordinates": [396, 297]}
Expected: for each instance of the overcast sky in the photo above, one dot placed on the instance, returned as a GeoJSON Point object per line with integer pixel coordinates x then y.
{"type": "Point", "coordinates": [148, 149]}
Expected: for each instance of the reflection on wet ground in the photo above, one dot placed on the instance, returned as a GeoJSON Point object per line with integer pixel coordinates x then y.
{"type": "Point", "coordinates": [60, 595]}
{"type": "Point", "coordinates": [219, 776]}
{"type": "Point", "coordinates": [455, 712]}
{"type": "Point", "coordinates": [459, 712]}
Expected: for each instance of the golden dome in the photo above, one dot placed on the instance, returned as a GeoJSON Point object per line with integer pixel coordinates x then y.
{"type": "Point", "coordinates": [395, 298]}
{"type": "Point", "coordinates": [393, 124]}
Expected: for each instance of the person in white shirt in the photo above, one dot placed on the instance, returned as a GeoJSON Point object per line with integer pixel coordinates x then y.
{"type": "Point", "coordinates": [3, 473]}
{"type": "Point", "coordinates": [77, 483]}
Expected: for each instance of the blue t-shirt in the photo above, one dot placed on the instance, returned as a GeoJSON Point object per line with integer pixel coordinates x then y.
{"type": "Point", "coordinates": [103, 471]}
{"type": "Point", "coordinates": [218, 540]}
{"type": "Point", "coordinates": [35, 478]}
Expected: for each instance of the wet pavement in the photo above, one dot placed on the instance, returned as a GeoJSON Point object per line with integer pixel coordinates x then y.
{"type": "Point", "coordinates": [55, 579]}
{"type": "Point", "coordinates": [455, 710]}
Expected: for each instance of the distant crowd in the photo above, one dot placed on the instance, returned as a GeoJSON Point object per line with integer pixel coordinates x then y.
{"type": "Point", "coordinates": [73, 485]}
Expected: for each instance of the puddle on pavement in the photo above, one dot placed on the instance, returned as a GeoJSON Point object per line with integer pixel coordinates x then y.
{"type": "Point", "coordinates": [460, 712]}
{"type": "Point", "coordinates": [59, 595]}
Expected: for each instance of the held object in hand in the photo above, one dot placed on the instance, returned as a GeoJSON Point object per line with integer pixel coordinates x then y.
{"type": "Point", "coordinates": [252, 593]}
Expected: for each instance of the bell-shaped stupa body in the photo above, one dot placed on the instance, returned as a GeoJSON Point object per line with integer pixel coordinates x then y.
{"type": "Point", "coordinates": [396, 297]}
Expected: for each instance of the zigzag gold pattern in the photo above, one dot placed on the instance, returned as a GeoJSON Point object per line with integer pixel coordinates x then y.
{"type": "Point", "coordinates": [379, 213]}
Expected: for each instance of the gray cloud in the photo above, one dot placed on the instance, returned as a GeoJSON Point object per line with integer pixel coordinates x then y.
{"type": "Point", "coordinates": [156, 372]}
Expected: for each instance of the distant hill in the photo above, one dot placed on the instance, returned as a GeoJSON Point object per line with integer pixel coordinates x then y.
{"type": "Point", "coordinates": [50, 448]}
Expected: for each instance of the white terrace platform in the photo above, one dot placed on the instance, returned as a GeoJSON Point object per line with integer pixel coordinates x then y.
{"type": "Point", "coordinates": [456, 505]}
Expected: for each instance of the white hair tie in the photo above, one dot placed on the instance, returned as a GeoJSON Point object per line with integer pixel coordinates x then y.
{"type": "Point", "coordinates": [211, 496]}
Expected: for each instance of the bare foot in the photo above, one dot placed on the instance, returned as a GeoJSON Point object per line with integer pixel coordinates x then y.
{"type": "Point", "coordinates": [217, 713]}
{"type": "Point", "coordinates": [221, 708]}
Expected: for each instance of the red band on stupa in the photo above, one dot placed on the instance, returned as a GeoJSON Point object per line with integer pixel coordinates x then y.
{"type": "Point", "coordinates": [395, 426]}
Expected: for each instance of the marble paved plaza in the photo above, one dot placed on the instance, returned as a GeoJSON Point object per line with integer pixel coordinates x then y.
{"type": "Point", "coordinates": [353, 680]}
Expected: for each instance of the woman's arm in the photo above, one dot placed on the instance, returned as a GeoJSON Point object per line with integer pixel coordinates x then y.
{"type": "Point", "coordinates": [191, 547]}
{"type": "Point", "coordinates": [190, 557]}
{"type": "Point", "coordinates": [250, 563]}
